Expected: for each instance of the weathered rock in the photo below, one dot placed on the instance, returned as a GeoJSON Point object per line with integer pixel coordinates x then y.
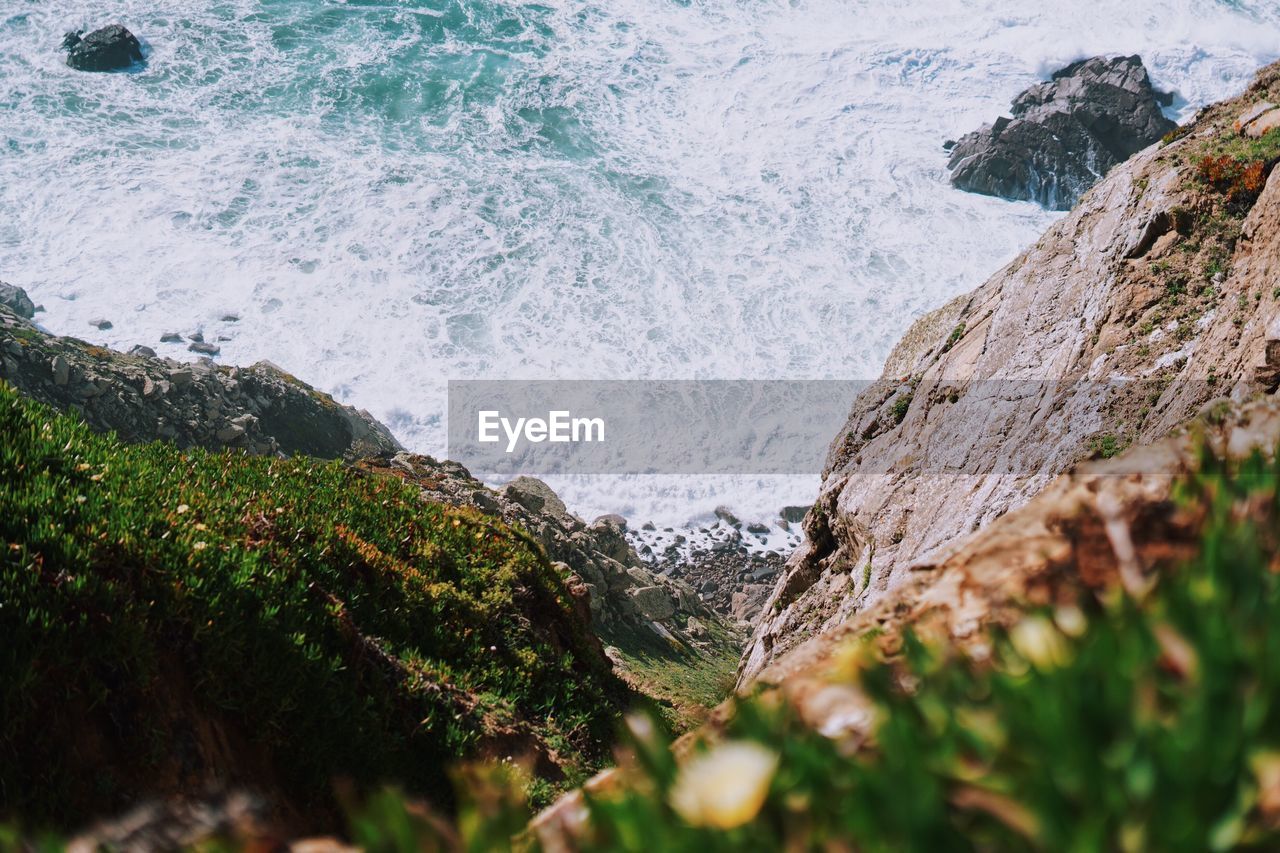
{"type": "Point", "coordinates": [111, 48]}
{"type": "Point", "coordinates": [1266, 123]}
{"type": "Point", "coordinates": [171, 338]}
{"type": "Point", "coordinates": [144, 351]}
{"type": "Point", "coordinates": [654, 602]}
{"type": "Point", "coordinates": [1064, 135]}
{"type": "Point", "coordinates": [17, 301]}
{"type": "Point", "coordinates": [61, 370]}
{"type": "Point", "coordinates": [726, 515]}
{"type": "Point", "coordinates": [143, 399]}
{"type": "Point", "coordinates": [793, 514]}
{"type": "Point", "coordinates": [1252, 114]}
{"type": "Point", "coordinates": [204, 349]}
{"type": "Point", "coordinates": [534, 495]}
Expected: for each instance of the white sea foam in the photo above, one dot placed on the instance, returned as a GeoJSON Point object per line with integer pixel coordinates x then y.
{"type": "Point", "coordinates": [391, 195]}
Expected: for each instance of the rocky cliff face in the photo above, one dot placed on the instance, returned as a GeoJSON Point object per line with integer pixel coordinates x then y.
{"type": "Point", "coordinates": [1064, 134]}
{"type": "Point", "coordinates": [1155, 296]}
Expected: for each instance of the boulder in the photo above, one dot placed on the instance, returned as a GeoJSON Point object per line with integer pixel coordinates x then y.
{"type": "Point", "coordinates": [653, 602]}
{"type": "Point", "coordinates": [535, 496]}
{"type": "Point", "coordinates": [17, 301]}
{"type": "Point", "coordinates": [1064, 134]}
{"type": "Point", "coordinates": [1262, 124]}
{"type": "Point", "coordinates": [111, 48]}
{"type": "Point", "coordinates": [793, 514]}
{"type": "Point", "coordinates": [1252, 114]}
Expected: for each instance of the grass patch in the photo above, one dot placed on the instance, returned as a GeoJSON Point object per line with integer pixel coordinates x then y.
{"type": "Point", "coordinates": [326, 621]}
{"type": "Point", "coordinates": [691, 682]}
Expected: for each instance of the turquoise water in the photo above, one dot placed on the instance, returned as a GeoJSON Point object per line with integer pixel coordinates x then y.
{"type": "Point", "coordinates": [392, 194]}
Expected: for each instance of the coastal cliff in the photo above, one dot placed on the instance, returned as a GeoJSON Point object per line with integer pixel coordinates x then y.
{"type": "Point", "coordinates": [1155, 296]}
{"type": "Point", "coordinates": [1045, 540]}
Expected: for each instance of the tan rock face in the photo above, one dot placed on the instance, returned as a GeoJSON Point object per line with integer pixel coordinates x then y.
{"type": "Point", "coordinates": [1258, 120]}
{"type": "Point", "coordinates": [1151, 299]}
{"type": "Point", "coordinates": [1263, 124]}
{"type": "Point", "coordinates": [1252, 114]}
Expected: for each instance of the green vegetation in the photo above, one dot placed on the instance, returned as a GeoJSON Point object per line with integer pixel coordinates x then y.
{"type": "Point", "coordinates": [954, 338]}
{"type": "Point", "coordinates": [1126, 721]}
{"type": "Point", "coordinates": [1106, 445]}
{"type": "Point", "coordinates": [1236, 167]}
{"type": "Point", "coordinates": [690, 681]}
{"type": "Point", "coordinates": [1173, 136]}
{"type": "Point", "coordinates": [164, 610]}
{"type": "Point", "coordinates": [901, 406]}
{"type": "Point", "coordinates": [1121, 720]}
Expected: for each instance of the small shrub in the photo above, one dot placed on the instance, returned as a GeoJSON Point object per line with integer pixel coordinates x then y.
{"type": "Point", "coordinates": [900, 407]}
{"type": "Point", "coordinates": [1239, 181]}
{"type": "Point", "coordinates": [956, 334]}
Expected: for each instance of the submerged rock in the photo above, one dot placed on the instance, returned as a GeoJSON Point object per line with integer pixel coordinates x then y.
{"type": "Point", "coordinates": [108, 49]}
{"type": "Point", "coordinates": [1064, 134]}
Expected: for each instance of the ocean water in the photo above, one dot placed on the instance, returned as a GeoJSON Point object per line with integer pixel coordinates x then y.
{"type": "Point", "coordinates": [392, 194]}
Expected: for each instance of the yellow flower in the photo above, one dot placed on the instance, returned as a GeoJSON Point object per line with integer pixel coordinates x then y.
{"type": "Point", "coordinates": [1040, 643]}
{"type": "Point", "coordinates": [724, 787]}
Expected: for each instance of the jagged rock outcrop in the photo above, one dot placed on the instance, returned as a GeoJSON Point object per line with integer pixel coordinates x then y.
{"type": "Point", "coordinates": [1064, 134]}
{"type": "Point", "coordinates": [1155, 296]}
{"type": "Point", "coordinates": [111, 48]}
{"type": "Point", "coordinates": [625, 598]}
{"type": "Point", "coordinates": [259, 409]}
{"type": "Point", "coordinates": [17, 301]}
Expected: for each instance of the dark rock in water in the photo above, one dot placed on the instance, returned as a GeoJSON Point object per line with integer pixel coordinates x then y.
{"type": "Point", "coordinates": [204, 349]}
{"type": "Point", "coordinates": [793, 514]}
{"type": "Point", "coordinates": [1064, 134]}
{"type": "Point", "coordinates": [726, 515]}
{"type": "Point", "coordinates": [144, 351]}
{"type": "Point", "coordinates": [101, 323]}
{"type": "Point", "coordinates": [109, 49]}
{"type": "Point", "coordinates": [17, 301]}
{"type": "Point", "coordinates": [170, 338]}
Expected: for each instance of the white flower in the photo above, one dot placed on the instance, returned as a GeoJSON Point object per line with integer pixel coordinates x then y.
{"type": "Point", "coordinates": [724, 787]}
{"type": "Point", "coordinates": [1040, 643]}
